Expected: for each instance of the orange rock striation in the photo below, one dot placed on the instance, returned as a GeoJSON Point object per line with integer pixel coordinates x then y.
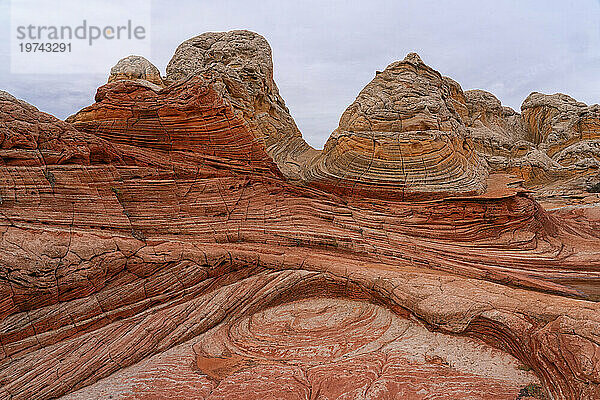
{"type": "Point", "coordinates": [238, 64]}
{"type": "Point", "coordinates": [400, 140]}
{"type": "Point", "coordinates": [152, 248]}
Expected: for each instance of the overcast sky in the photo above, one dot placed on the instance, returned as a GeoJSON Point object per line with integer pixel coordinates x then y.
{"type": "Point", "coordinates": [325, 52]}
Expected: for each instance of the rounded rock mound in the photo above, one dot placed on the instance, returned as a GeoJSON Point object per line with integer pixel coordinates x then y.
{"type": "Point", "coordinates": [134, 68]}
{"type": "Point", "coordinates": [239, 65]}
{"type": "Point", "coordinates": [401, 138]}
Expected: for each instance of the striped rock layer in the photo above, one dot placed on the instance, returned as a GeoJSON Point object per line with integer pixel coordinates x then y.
{"type": "Point", "coordinates": [188, 116]}
{"type": "Point", "coordinates": [239, 66]}
{"type": "Point", "coordinates": [151, 248]}
{"type": "Point", "coordinates": [401, 138]}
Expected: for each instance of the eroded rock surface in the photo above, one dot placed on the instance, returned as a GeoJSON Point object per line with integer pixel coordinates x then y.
{"type": "Point", "coordinates": [239, 66]}
{"type": "Point", "coordinates": [187, 117]}
{"type": "Point", "coordinates": [151, 247]}
{"type": "Point", "coordinates": [401, 138]}
{"type": "Point", "coordinates": [568, 130]}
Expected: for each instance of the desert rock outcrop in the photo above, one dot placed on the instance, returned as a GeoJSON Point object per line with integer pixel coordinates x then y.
{"type": "Point", "coordinates": [29, 137]}
{"type": "Point", "coordinates": [187, 117]}
{"type": "Point", "coordinates": [168, 255]}
{"type": "Point", "coordinates": [401, 138]}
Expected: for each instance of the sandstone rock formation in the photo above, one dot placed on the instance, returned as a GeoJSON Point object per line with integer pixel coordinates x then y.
{"type": "Point", "coordinates": [401, 138]}
{"type": "Point", "coordinates": [185, 118]}
{"type": "Point", "coordinates": [498, 129]}
{"type": "Point", "coordinates": [134, 68]}
{"type": "Point", "coordinates": [151, 247]}
{"type": "Point", "coordinates": [239, 66]}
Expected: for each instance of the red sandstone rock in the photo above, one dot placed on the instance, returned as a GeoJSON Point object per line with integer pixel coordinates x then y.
{"type": "Point", "coordinates": [238, 64]}
{"type": "Point", "coordinates": [171, 259]}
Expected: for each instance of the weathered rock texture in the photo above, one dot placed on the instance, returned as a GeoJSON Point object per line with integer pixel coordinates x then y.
{"type": "Point", "coordinates": [31, 138]}
{"type": "Point", "coordinates": [136, 68]}
{"type": "Point", "coordinates": [153, 249]}
{"type": "Point", "coordinates": [239, 66]}
{"type": "Point", "coordinates": [402, 138]}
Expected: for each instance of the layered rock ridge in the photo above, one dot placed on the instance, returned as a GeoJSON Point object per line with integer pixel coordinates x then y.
{"type": "Point", "coordinates": [29, 137]}
{"type": "Point", "coordinates": [188, 116]}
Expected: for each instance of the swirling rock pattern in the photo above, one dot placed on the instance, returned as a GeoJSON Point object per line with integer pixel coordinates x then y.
{"type": "Point", "coordinates": [401, 138]}
{"type": "Point", "coordinates": [152, 248]}
{"type": "Point", "coordinates": [322, 347]}
{"type": "Point", "coordinates": [186, 117]}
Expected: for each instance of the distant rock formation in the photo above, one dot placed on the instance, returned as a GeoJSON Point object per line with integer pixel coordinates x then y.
{"type": "Point", "coordinates": [553, 145]}
{"type": "Point", "coordinates": [490, 122]}
{"type": "Point", "coordinates": [185, 242]}
{"type": "Point", "coordinates": [134, 68]}
{"type": "Point", "coordinates": [567, 130]}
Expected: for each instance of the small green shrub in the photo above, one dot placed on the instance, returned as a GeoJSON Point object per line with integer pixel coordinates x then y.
{"type": "Point", "coordinates": [50, 177]}
{"type": "Point", "coordinates": [139, 235]}
{"type": "Point", "coordinates": [532, 390]}
{"type": "Point", "coordinates": [524, 367]}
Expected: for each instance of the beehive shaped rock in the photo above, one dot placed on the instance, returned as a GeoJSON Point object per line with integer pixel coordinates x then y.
{"type": "Point", "coordinates": [401, 138]}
